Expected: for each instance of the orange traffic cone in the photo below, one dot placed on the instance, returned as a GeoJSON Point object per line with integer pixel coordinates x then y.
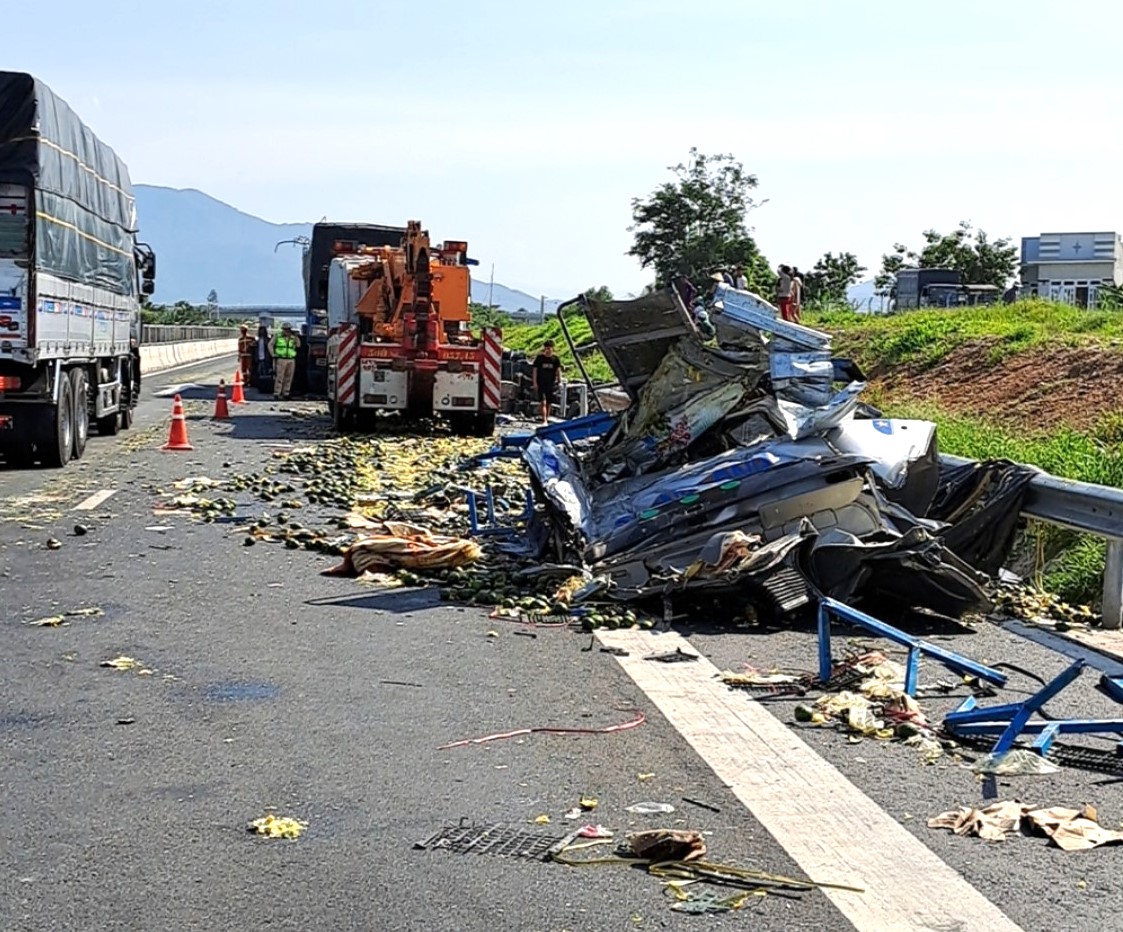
{"type": "Point", "coordinates": [177, 433]}
{"type": "Point", "coordinates": [239, 396]}
{"type": "Point", "coordinates": [221, 411]}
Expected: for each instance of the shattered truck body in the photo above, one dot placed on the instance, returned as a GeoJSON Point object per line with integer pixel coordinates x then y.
{"type": "Point", "coordinates": [750, 465]}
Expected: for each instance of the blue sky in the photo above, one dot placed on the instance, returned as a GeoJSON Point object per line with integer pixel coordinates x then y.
{"type": "Point", "coordinates": [527, 128]}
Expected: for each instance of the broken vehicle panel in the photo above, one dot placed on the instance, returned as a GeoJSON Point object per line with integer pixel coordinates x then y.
{"type": "Point", "coordinates": [752, 465]}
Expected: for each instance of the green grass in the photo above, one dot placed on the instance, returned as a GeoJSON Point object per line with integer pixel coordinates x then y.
{"type": "Point", "coordinates": [530, 337]}
{"type": "Point", "coordinates": [923, 337]}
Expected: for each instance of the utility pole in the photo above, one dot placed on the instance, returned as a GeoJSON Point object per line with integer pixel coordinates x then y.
{"type": "Point", "coordinates": [491, 286]}
{"type": "Point", "coordinates": [542, 309]}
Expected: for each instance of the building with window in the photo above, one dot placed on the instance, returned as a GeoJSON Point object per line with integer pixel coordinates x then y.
{"type": "Point", "coordinates": [1071, 267]}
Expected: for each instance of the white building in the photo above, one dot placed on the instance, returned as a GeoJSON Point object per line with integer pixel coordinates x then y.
{"type": "Point", "coordinates": [1071, 267]}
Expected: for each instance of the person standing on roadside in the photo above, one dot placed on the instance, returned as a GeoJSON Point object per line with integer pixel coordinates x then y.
{"type": "Point", "coordinates": [284, 348]}
{"type": "Point", "coordinates": [797, 295]}
{"type": "Point", "coordinates": [740, 280]}
{"type": "Point", "coordinates": [245, 354]}
{"type": "Point", "coordinates": [784, 292]}
{"type": "Point", "coordinates": [544, 377]}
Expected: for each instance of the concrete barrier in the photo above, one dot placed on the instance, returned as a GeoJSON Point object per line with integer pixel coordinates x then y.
{"type": "Point", "coordinates": [155, 357]}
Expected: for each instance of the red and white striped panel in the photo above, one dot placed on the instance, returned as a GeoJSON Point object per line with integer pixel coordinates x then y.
{"type": "Point", "coordinates": [347, 366]}
{"type": "Point", "coordinates": [492, 369]}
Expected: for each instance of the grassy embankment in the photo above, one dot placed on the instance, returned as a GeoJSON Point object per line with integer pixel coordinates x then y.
{"type": "Point", "coordinates": [1070, 565]}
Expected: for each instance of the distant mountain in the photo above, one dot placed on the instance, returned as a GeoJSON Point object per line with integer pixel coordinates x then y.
{"type": "Point", "coordinates": [510, 300]}
{"type": "Point", "coordinates": [863, 295]}
{"type": "Point", "coordinates": [202, 243]}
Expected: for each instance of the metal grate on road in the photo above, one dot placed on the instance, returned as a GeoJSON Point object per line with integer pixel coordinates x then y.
{"type": "Point", "coordinates": [498, 840]}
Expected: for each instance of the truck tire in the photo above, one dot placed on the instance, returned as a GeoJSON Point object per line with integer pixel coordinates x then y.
{"type": "Point", "coordinates": [483, 425]}
{"type": "Point", "coordinates": [56, 437]}
{"type": "Point", "coordinates": [80, 388]}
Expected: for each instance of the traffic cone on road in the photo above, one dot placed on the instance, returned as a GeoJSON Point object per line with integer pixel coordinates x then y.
{"type": "Point", "coordinates": [221, 411]}
{"type": "Point", "coordinates": [239, 396]}
{"type": "Point", "coordinates": [177, 433]}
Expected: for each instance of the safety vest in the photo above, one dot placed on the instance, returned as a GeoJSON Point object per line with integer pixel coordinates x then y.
{"type": "Point", "coordinates": [286, 348]}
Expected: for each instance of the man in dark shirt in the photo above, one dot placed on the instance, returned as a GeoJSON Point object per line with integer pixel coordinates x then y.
{"type": "Point", "coordinates": [544, 377]}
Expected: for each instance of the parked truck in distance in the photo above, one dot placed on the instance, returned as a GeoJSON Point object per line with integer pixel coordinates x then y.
{"type": "Point", "coordinates": [917, 288]}
{"type": "Point", "coordinates": [326, 241]}
{"type": "Point", "coordinates": [72, 273]}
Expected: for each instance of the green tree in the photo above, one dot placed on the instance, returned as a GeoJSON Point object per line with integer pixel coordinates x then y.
{"type": "Point", "coordinates": [602, 294]}
{"type": "Point", "coordinates": [484, 316]}
{"type": "Point", "coordinates": [696, 223]}
{"type": "Point", "coordinates": [827, 282]}
{"type": "Point", "coordinates": [979, 259]}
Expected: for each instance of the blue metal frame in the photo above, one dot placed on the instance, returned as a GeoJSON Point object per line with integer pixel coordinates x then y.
{"type": "Point", "coordinates": [916, 646]}
{"type": "Point", "coordinates": [578, 428]}
{"type": "Point", "coordinates": [492, 529]}
{"type": "Point", "coordinates": [1009, 721]}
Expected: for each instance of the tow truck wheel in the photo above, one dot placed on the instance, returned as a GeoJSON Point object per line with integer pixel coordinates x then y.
{"type": "Point", "coordinates": [80, 388]}
{"type": "Point", "coordinates": [58, 435]}
{"type": "Point", "coordinates": [483, 424]}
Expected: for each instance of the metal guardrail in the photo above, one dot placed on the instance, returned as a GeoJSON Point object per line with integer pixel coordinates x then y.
{"type": "Point", "coordinates": [1081, 506]}
{"type": "Point", "coordinates": [175, 333]}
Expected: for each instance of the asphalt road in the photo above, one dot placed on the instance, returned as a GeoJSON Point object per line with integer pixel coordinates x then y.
{"type": "Point", "coordinates": [126, 795]}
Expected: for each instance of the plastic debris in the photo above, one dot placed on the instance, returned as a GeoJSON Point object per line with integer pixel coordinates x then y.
{"type": "Point", "coordinates": [1015, 762]}
{"type": "Point", "coordinates": [588, 802]}
{"type": "Point", "coordinates": [1068, 829]}
{"type": "Point", "coordinates": [650, 808]}
{"type": "Point", "coordinates": [593, 831]}
{"type": "Point", "coordinates": [272, 826]}
{"type": "Point", "coordinates": [542, 819]}
{"type": "Point", "coordinates": [702, 901]}
{"type": "Point", "coordinates": [122, 663]}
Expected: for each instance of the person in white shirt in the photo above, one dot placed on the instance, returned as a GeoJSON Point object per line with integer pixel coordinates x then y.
{"type": "Point", "coordinates": [784, 292]}
{"type": "Point", "coordinates": [740, 281]}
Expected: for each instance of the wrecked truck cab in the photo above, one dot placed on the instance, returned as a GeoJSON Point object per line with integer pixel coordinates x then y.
{"type": "Point", "coordinates": [745, 467]}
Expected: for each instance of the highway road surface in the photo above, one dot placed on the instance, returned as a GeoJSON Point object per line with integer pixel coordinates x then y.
{"type": "Point", "coordinates": [265, 687]}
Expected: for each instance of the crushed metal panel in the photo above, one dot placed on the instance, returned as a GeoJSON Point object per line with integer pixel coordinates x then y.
{"type": "Point", "coordinates": [635, 335]}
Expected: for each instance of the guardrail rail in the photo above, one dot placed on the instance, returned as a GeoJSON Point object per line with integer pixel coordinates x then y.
{"type": "Point", "coordinates": [1081, 506]}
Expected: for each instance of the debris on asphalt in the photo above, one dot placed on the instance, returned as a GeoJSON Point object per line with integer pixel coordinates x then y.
{"type": "Point", "coordinates": [677, 655]}
{"type": "Point", "coordinates": [635, 722]}
{"type": "Point", "coordinates": [1020, 762]}
{"type": "Point", "coordinates": [650, 808]}
{"type": "Point", "coordinates": [53, 543]}
{"type": "Point", "coordinates": [396, 545]}
{"type": "Point", "coordinates": [81, 530]}
{"type": "Point", "coordinates": [700, 804]}
{"type": "Point", "coordinates": [60, 620]}
{"type": "Point", "coordinates": [701, 902]}
{"type": "Point", "coordinates": [588, 803]}
{"type": "Point", "coordinates": [272, 826]}
{"type": "Point", "coordinates": [1068, 829]}
{"type": "Point", "coordinates": [594, 831]}
{"type": "Point", "coordinates": [122, 663]}
{"type": "Point", "coordinates": [541, 820]}
{"type": "Point", "coordinates": [661, 844]}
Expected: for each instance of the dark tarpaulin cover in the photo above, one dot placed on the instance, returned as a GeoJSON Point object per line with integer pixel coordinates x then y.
{"type": "Point", "coordinates": [85, 220]}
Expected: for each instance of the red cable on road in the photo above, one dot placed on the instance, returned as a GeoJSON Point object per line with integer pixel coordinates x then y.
{"type": "Point", "coordinates": [623, 726]}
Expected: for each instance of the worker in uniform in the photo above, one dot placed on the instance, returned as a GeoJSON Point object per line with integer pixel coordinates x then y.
{"type": "Point", "coordinates": [285, 345]}
{"type": "Point", "coordinates": [245, 354]}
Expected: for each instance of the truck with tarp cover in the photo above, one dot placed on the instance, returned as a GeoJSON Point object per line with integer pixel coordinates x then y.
{"type": "Point", "coordinates": [72, 273]}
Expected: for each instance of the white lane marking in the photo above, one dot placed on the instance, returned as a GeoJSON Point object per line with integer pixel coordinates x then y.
{"type": "Point", "coordinates": [89, 504]}
{"type": "Point", "coordinates": [831, 829]}
{"type": "Point", "coordinates": [171, 390]}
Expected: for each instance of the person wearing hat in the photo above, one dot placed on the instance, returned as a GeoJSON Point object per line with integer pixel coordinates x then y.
{"type": "Point", "coordinates": [245, 353]}
{"type": "Point", "coordinates": [285, 345]}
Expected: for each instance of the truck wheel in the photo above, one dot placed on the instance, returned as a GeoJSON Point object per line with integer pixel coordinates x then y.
{"type": "Point", "coordinates": [80, 387]}
{"type": "Point", "coordinates": [109, 424]}
{"type": "Point", "coordinates": [58, 434]}
{"type": "Point", "coordinates": [483, 425]}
